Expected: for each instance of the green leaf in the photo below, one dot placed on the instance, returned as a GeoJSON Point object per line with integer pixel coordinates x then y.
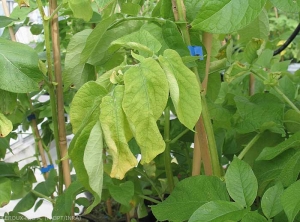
{"type": "Point", "coordinates": [5, 21]}
{"type": "Point", "coordinates": [141, 40]}
{"type": "Point", "coordinates": [5, 190]}
{"type": "Point", "coordinates": [188, 195]}
{"type": "Point", "coordinates": [259, 28]}
{"type": "Point", "coordinates": [130, 8]}
{"type": "Point", "coordinates": [76, 73]}
{"type": "Point", "coordinates": [117, 133]}
{"type": "Point", "coordinates": [192, 7]}
{"type": "Point", "coordinates": [253, 216]}
{"type": "Point", "coordinates": [253, 50]}
{"type": "Point", "coordinates": [122, 193]}
{"type": "Point", "coordinates": [184, 88]}
{"type": "Point", "coordinates": [218, 211]}
{"type": "Point", "coordinates": [8, 102]}
{"type": "Point", "coordinates": [257, 112]}
{"type": "Point", "coordinates": [5, 126]}
{"type": "Point", "coordinates": [81, 9]}
{"type": "Point", "coordinates": [241, 183]}
{"type": "Point", "coordinates": [94, 39]}
{"type": "Point", "coordinates": [26, 203]}
{"type": "Point", "coordinates": [290, 200]}
{"type": "Point", "coordinates": [271, 152]}
{"type": "Point", "coordinates": [287, 5]}
{"type": "Point", "coordinates": [38, 204]}
{"type": "Point", "coordinates": [270, 202]}
{"type": "Point", "coordinates": [21, 73]}
{"type": "Point", "coordinates": [290, 172]}
{"type": "Point", "coordinates": [65, 202]}
{"type": "Point", "coordinates": [20, 13]}
{"type": "Point", "coordinates": [93, 161]}
{"type": "Point", "coordinates": [9, 169]}
{"type": "Point", "coordinates": [163, 9]}
{"type": "Point", "coordinates": [227, 16]}
{"type": "Point", "coordinates": [86, 101]}
{"type": "Point", "coordinates": [145, 98]}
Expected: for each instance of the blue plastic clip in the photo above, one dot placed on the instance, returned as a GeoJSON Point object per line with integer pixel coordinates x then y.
{"type": "Point", "coordinates": [196, 51]}
{"type": "Point", "coordinates": [47, 169]}
{"type": "Point", "coordinates": [31, 117]}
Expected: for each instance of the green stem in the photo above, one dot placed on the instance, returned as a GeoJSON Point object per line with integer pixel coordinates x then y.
{"type": "Point", "coordinates": [159, 20]}
{"type": "Point", "coordinates": [167, 153]}
{"type": "Point", "coordinates": [179, 136]}
{"type": "Point", "coordinates": [149, 198]}
{"type": "Point", "coordinates": [54, 13]}
{"type": "Point", "coordinates": [249, 146]}
{"type": "Point", "coordinates": [42, 196]}
{"type": "Point", "coordinates": [150, 181]}
{"type": "Point", "coordinates": [276, 88]}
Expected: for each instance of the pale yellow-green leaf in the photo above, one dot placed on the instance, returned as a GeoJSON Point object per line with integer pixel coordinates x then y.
{"type": "Point", "coordinates": [117, 133]}
{"type": "Point", "coordinates": [184, 88]}
{"type": "Point", "coordinates": [5, 126]}
{"type": "Point", "coordinates": [145, 98]}
{"type": "Point", "coordinates": [92, 159]}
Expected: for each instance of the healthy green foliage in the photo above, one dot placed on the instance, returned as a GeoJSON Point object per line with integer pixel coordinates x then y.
{"type": "Point", "coordinates": [5, 21]}
{"type": "Point", "coordinates": [270, 202]}
{"type": "Point", "coordinates": [241, 183]}
{"type": "Point", "coordinates": [5, 190]}
{"type": "Point", "coordinates": [81, 9]}
{"type": "Point", "coordinates": [290, 201]}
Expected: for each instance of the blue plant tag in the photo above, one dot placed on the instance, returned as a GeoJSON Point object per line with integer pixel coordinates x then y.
{"type": "Point", "coordinates": [196, 51]}
{"type": "Point", "coordinates": [47, 169]}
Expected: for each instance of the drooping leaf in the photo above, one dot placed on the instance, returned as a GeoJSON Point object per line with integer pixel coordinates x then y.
{"type": "Point", "coordinates": [287, 6]}
{"type": "Point", "coordinates": [26, 203]}
{"type": "Point", "coordinates": [228, 15]}
{"type": "Point", "coordinates": [141, 40]}
{"type": "Point", "coordinates": [184, 88]}
{"type": "Point", "coordinates": [76, 73]}
{"type": "Point", "coordinates": [93, 161]}
{"type": "Point", "coordinates": [241, 183]}
{"type": "Point", "coordinates": [270, 202]}
{"type": "Point", "coordinates": [5, 126]}
{"type": "Point", "coordinates": [290, 200]}
{"type": "Point", "coordinates": [5, 190]}
{"type": "Point", "coordinates": [145, 98]}
{"type": "Point", "coordinates": [188, 195]}
{"type": "Point", "coordinates": [64, 202]}
{"type": "Point", "coordinates": [253, 49]}
{"type": "Point", "coordinates": [38, 204]}
{"type": "Point", "coordinates": [81, 9]}
{"type": "Point", "coordinates": [259, 111]}
{"type": "Point", "coordinates": [259, 28]}
{"type": "Point", "coordinates": [271, 152]}
{"type": "Point", "coordinates": [5, 21]}
{"type": "Point", "coordinates": [85, 102]}
{"type": "Point", "coordinates": [218, 211]}
{"type": "Point", "coordinates": [117, 133]}
{"type": "Point", "coordinates": [21, 73]}
{"type": "Point", "coordinates": [122, 193]}
{"type": "Point", "coordinates": [94, 39]}
{"type": "Point", "coordinates": [253, 216]}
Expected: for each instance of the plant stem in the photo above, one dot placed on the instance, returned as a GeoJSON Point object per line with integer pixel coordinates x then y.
{"type": "Point", "coordinates": [179, 136]}
{"type": "Point", "coordinates": [54, 12]}
{"type": "Point", "coordinates": [59, 93]}
{"type": "Point", "coordinates": [42, 196]}
{"type": "Point", "coordinates": [207, 39]}
{"type": "Point", "coordinates": [167, 153]}
{"type": "Point", "coordinates": [151, 19]}
{"type": "Point", "coordinates": [179, 13]}
{"type": "Point", "coordinates": [276, 88]}
{"type": "Point", "coordinates": [149, 198]}
{"type": "Point", "coordinates": [249, 146]}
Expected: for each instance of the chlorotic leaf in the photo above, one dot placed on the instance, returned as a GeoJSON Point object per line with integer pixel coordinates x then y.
{"type": "Point", "coordinates": [5, 191]}
{"type": "Point", "coordinates": [81, 9]}
{"type": "Point", "coordinates": [269, 153]}
{"type": "Point", "coordinates": [21, 73]}
{"type": "Point", "coordinates": [184, 88]}
{"type": "Point", "coordinates": [85, 101]}
{"type": "Point", "coordinates": [188, 195]}
{"type": "Point", "coordinates": [117, 133]}
{"type": "Point", "coordinates": [93, 161]}
{"type": "Point", "coordinates": [241, 183]}
{"type": "Point", "coordinates": [227, 16]}
{"type": "Point", "coordinates": [290, 200]}
{"type": "Point", "coordinates": [5, 126]}
{"type": "Point", "coordinates": [218, 211]}
{"type": "Point", "coordinates": [145, 98]}
{"type": "Point", "coordinates": [270, 202]}
{"type": "Point", "coordinates": [76, 73]}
